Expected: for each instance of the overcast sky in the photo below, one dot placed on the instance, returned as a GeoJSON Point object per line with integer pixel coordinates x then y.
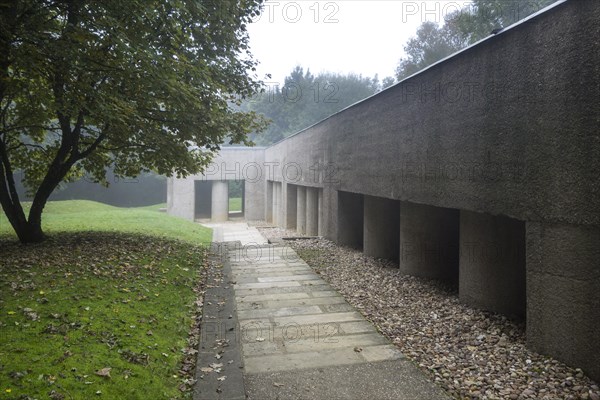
{"type": "Point", "coordinates": [360, 36]}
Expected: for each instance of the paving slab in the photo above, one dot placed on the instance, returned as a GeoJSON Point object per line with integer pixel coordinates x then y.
{"type": "Point", "coordinates": [250, 304]}
{"type": "Point", "coordinates": [279, 290]}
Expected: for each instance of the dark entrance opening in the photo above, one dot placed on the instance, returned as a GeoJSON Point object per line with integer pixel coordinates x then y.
{"type": "Point", "coordinates": [203, 199]}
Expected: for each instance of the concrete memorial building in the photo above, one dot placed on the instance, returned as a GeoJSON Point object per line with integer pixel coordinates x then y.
{"type": "Point", "coordinates": [483, 169]}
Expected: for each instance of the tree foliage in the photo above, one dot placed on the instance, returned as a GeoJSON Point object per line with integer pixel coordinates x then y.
{"type": "Point", "coordinates": [305, 99]}
{"type": "Point", "coordinates": [134, 85]}
{"type": "Point", "coordinates": [461, 29]}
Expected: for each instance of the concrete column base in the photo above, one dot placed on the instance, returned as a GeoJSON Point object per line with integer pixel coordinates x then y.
{"type": "Point", "coordinates": [290, 206]}
{"type": "Point", "coordinates": [381, 228]}
{"type": "Point", "coordinates": [220, 201]}
{"type": "Point", "coordinates": [269, 202]}
{"type": "Point", "coordinates": [301, 209]}
{"type": "Point", "coordinates": [492, 263]}
{"type": "Point", "coordinates": [312, 211]}
{"type": "Point", "coordinates": [280, 205]}
{"type": "Point", "coordinates": [429, 241]}
{"type": "Point", "coordinates": [276, 201]}
{"type": "Point", "coordinates": [321, 222]}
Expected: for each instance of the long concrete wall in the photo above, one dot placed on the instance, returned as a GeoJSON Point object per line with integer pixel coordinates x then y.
{"type": "Point", "coordinates": [506, 135]}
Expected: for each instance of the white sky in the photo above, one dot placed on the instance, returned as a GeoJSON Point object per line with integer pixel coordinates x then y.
{"type": "Point", "coordinates": [360, 36]}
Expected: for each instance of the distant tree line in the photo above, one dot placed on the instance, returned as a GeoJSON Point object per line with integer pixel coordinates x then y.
{"type": "Point", "coordinates": [462, 28]}
{"type": "Point", "coordinates": [305, 99]}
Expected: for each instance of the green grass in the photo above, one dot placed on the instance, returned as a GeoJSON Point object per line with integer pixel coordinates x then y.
{"type": "Point", "coordinates": [235, 204]}
{"type": "Point", "coordinates": [86, 300]}
{"type": "Point", "coordinates": [83, 215]}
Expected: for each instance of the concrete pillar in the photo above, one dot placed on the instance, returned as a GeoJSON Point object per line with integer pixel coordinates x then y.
{"type": "Point", "coordinates": [269, 202]}
{"type": "Point", "coordinates": [280, 206]}
{"type": "Point", "coordinates": [312, 211]}
{"type": "Point", "coordinates": [350, 219]}
{"type": "Point", "coordinates": [220, 201]}
{"type": "Point", "coordinates": [301, 209]}
{"type": "Point", "coordinates": [492, 263]}
{"type": "Point", "coordinates": [321, 221]}
{"type": "Point", "coordinates": [429, 241]}
{"type": "Point", "coordinates": [382, 228]}
{"type": "Point", "coordinates": [276, 202]}
{"type": "Point", "coordinates": [243, 199]}
{"type": "Point", "coordinates": [290, 206]}
{"type": "Point", "coordinates": [563, 295]}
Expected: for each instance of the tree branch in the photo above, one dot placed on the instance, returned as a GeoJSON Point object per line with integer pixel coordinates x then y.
{"type": "Point", "coordinates": [94, 145]}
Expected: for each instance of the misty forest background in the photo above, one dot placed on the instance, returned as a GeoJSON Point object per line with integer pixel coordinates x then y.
{"type": "Point", "coordinates": [305, 98]}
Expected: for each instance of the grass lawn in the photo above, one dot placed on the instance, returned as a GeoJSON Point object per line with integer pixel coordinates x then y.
{"type": "Point", "coordinates": [92, 314]}
{"type": "Point", "coordinates": [83, 215]}
{"type": "Point", "coordinates": [235, 204]}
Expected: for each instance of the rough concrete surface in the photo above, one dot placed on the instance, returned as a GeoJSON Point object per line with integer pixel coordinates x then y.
{"type": "Point", "coordinates": [386, 380]}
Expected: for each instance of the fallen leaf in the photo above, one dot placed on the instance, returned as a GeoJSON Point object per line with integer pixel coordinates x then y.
{"type": "Point", "coordinates": [206, 369]}
{"type": "Point", "coordinates": [104, 372]}
{"type": "Point", "coordinates": [218, 356]}
{"type": "Point", "coordinates": [215, 365]}
{"type": "Point", "coordinates": [222, 378]}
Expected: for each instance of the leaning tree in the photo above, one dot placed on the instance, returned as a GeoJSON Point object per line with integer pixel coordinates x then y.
{"type": "Point", "coordinates": [132, 85]}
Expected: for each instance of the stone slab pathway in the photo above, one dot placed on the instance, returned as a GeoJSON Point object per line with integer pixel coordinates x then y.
{"type": "Point", "coordinates": [300, 339]}
{"type": "Point", "coordinates": [236, 231]}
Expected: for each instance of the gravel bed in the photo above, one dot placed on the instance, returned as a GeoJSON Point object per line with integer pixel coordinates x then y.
{"type": "Point", "coordinates": [260, 224]}
{"type": "Point", "coordinates": [472, 354]}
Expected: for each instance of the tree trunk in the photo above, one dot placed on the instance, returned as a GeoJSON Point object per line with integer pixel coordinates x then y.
{"type": "Point", "coordinates": [31, 233]}
{"type": "Point", "coordinates": [27, 231]}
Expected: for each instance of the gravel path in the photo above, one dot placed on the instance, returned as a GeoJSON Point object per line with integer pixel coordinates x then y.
{"type": "Point", "coordinates": [472, 354]}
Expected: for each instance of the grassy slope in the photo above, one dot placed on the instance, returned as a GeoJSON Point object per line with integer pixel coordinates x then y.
{"type": "Point", "coordinates": [83, 215]}
{"type": "Point", "coordinates": [84, 301]}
